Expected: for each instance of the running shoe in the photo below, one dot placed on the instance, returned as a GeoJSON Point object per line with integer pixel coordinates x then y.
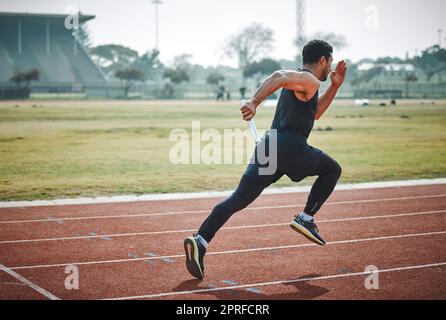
{"type": "Point", "coordinates": [195, 252]}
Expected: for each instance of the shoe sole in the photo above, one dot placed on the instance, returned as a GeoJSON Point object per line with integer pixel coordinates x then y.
{"type": "Point", "coordinates": [305, 232]}
{"type": "Point", "coordinates": [192, 262]}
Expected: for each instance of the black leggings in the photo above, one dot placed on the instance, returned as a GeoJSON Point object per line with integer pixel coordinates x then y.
{"type": "Point", "coordinates": [314, 163]}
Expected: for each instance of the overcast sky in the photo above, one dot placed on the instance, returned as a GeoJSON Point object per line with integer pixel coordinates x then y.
{"type": "Point", "coordinates": [372, 28]}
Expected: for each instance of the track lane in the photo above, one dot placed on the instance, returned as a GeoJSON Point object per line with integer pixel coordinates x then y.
{"type": "Point", "coordinates": [145, 247]}
{"type": "Point", "coordinates": [56, 229]}
{"type": "Point", "coordinates": [139, 278]}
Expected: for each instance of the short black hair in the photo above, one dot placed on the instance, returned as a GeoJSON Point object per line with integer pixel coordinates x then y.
{"type": "Point", "coordinates": [314, 50]}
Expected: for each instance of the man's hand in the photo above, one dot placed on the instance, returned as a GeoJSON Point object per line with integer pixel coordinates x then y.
{"type": "Point", "coordinates": [337, 77]}
{"type": "Point", "coordinates": [248, 110]}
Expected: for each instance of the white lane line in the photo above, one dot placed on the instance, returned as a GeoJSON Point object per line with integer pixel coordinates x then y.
{"type": "Point", "coordinates": [214, 194]}
{"type": "Point", "coordinates": [230, 251]}
{"type": "Point", "coordinates": [263, 284]}
{"type": "Point", "coordinates": [118, 216]}
{"type": "Point", "coordinates": [115, 235]}
{"type": "Point", "coordinates": [28, 283]}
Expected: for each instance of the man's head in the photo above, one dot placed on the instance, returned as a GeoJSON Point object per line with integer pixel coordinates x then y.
{"type": "Point", "coordinates": [317, 55]}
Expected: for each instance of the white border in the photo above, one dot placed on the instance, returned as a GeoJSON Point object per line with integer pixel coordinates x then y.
{"type": "Point", "coordinates": [213, 194]}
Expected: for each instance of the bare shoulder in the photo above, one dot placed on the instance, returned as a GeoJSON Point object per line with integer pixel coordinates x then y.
{"type": "Point", "coordinates": [299, 81]}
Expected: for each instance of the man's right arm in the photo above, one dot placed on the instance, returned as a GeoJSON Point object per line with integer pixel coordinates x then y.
{"type": "Point", "coordinates": [288, 79]}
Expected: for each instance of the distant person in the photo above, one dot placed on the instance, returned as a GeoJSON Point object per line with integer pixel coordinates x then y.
{"type": "Point", "coordinates": [168, 90]}
{"type": "Point", "coordinates": [298, 107]}
{"type": "Point", "coordinates": [228, 96]}
{"type": "Point", "coordinates": [221, 93]}
{"type": "Point", "coordinates": [242, 92]}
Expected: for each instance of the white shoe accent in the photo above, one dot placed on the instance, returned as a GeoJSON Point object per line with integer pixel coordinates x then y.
{"type": "Point", "coordinates": [306, 217]}
{"type": "Point", "coordinates": [202, 241]}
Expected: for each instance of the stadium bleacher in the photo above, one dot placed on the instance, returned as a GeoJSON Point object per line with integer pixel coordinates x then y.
{"type": "Point", "coordinates": [41, 41]}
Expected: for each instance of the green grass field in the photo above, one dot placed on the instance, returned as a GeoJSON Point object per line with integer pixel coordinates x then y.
{"type": "Point", "coordinates": [54, 149]}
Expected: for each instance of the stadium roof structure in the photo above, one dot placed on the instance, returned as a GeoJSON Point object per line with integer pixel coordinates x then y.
{"type": "Point", "coordinates": [15, 15]}
{"type": "Point", "coordinates": [47, 42]}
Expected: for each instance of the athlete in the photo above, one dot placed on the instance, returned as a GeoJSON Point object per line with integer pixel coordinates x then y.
{"type": "Point", "coordinates": [298, 106]}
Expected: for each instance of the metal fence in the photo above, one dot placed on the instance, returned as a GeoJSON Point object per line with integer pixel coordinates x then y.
{"type": "Point", "coordinates": [205, 91]}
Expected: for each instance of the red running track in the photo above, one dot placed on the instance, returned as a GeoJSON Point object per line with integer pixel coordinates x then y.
{"type": "Point", "coordinates": [134, 250]}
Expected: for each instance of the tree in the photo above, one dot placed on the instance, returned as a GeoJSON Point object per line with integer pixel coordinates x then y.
{"type": "Point", "coordinates": [337, 41]}
{"type": "Point", "coordinates": [178, 72]}
{"type": "Point", "coordinates": [128, 77]}
{"type": "Point", "coordinates": [214, 78]}
{"type": "Point", "coordinates": [183, 61]}
{"type": "Point", "coordinates": [261, 68]}
{"type": "Point", "coordinates": [176, 75]}
{"type": "Point", "coordinates": [390, 60]}
{"type": "Point", "coordinates": [367, 75]}
{"type": "Point", "coordinates": [149, 63]}
{"type": "Point", "coordinates": [251, 43]}
{"type": "Point", "coordinates": [353, 73]}
{"type": "Point", "coordinates": [257, 70]}
{"type": "Point", "coordinates": [82, 35]}
{"type": "Point", "coordinates": [431, 61]}
{"type": "Point", "coordinates": [180, 69]}
{"type": "Point", "coordinates": [25, 77]}
{"type": "Point", "coordinates": [113, 57]}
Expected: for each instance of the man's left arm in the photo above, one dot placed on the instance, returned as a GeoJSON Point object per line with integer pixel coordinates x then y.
{"type": "Point", "coordinates": [337, 79]}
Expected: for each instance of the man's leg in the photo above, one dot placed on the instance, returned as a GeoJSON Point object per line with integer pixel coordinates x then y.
{"type": "Point", "coordinates": [250, 187]}
{"type": "Point", "coordinates": [329, 172]}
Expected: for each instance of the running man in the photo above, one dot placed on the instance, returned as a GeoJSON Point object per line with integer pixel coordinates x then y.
{"type": "Point", "coordinates": [298, 106]}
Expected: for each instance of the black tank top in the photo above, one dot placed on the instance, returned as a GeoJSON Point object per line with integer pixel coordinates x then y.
{"type": "Point", "coordinates": [293, 115]}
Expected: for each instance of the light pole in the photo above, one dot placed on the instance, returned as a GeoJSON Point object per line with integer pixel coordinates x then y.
{"type": "Point", "coordinates": [300, 26]}
{"type": "Point", "coordinates": [156, 3]}
{"type": "Point", "coordinates": [440, 31]}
